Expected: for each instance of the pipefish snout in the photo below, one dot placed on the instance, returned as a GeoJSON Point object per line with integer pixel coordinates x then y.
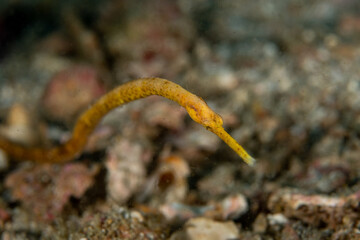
{"type": "Point", "coordinates": [198, 110]}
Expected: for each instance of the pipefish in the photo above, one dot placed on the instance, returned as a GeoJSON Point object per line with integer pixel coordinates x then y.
{"type": "Point", "coordinates": [196, 107]}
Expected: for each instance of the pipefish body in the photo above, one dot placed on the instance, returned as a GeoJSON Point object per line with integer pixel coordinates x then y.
{"type": "Point", "coordinates": [196, 107]}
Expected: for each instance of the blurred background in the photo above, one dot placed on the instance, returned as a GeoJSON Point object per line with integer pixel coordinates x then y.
{"type": "Point", "coordinates": [284, 75]}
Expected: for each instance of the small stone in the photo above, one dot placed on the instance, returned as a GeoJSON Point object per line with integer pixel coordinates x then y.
{"type": "Point", "coordinates": [45, 189]}
{"type": "Point", "coordinates": [277, 219]}
{"type": "Point", "coordinates": [19, 126]}
{"type": "Point", "coordinates": [125, 163]}
{"type": "Point", "coordinates": [71, 91]}
{"type": "Point", "coordinates": [260, 224]}
{"type": "Point", "coordinates": [206, 229]}
{"type": "Point", "coordinates": [169, 182]}
{"type": "Point", "coordinates": [233, 207]}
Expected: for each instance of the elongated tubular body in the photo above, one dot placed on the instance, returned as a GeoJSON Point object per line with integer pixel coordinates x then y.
{"type": "Point", "coordinates": [130, 91]}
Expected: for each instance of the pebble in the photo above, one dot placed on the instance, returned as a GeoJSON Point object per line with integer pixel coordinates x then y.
{"type": "Point", "coordinates": [206, 229]}
{"type": "Point", "coordinates": [126, 169]}
{"type": "Point", "coordinates": [19, 126]}
{"type": "Point", "coordinates": [169, 181]}
{"type": "Point", "coordinates": [260, 225]}
{"type": "Point", "coordinates": [70, 92]}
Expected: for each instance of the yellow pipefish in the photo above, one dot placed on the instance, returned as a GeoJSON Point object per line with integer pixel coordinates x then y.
{"type": "Point", "coordinates": [198, 110]}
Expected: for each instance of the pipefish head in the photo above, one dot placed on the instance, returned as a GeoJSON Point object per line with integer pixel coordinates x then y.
{"type": "Point", "coordinates": [203, 114]}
